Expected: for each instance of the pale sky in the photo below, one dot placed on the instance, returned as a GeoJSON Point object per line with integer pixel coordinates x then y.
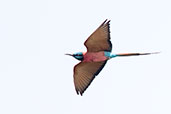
{"type": "Point", "coordinates": [37, 78]}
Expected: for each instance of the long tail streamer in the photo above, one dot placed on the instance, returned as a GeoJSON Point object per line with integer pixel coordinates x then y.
{"type": "Point", "coordinates": [135, 54]}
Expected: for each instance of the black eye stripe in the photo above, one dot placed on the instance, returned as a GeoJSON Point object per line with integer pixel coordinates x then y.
{"type": "Point", "coordinates": [78, 55]}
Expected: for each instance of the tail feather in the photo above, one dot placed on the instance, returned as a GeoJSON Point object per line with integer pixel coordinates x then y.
{"type": "Point", "coordinates": [135, 54]}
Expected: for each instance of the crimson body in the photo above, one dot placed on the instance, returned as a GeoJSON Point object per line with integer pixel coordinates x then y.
{"type": "Point", "coordinates": [94, 56]}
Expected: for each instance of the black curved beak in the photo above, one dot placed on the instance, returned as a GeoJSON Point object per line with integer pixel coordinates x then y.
{"type": "Point", "coordinates": [69, 54]}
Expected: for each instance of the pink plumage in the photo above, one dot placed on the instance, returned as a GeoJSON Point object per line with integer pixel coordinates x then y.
{"type": "Point", "coordinates": [94, 57]}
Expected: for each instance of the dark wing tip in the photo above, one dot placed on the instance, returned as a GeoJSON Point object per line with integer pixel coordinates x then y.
{"type": "Point", "coordinates": [79, 91]}
{"type": "Point", "coordinates": [105, 22]}
{"type": "Point", "coordinates": [110, 44]}
{"type": "Point", "coordinates": [81, 94]}
{"type": "Point", "coordinates": [82, 91]}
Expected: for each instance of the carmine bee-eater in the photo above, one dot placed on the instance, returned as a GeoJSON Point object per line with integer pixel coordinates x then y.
{"type": "Point", "coordinates": [99, 49]}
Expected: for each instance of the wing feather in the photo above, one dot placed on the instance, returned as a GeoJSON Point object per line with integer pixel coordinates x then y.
{"type": "Point", "coordinates": [84, 73]}
{"type": "Point", "coordinates": [99, 40]}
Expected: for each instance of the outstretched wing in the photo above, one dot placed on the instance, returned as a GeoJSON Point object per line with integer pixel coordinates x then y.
{"type": "Point", "coordinates": [99, 40]}
{"type": "Point", "coordinates": [84, 73]}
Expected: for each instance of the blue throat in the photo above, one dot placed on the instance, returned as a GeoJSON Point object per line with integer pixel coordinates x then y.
{"type": "Point", "coordinates": [78, 56]}
{"type": "Point", "coordinates": [108, 54]}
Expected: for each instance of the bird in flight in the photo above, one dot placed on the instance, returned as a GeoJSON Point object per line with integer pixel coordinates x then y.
{"type": "Point", "coordinates": [99, 49]}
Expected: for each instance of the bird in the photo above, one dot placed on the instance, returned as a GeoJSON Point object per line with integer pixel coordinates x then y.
{"type": "Point", "coordinates": [91, 63]}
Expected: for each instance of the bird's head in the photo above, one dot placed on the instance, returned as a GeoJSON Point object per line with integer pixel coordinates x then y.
{"type": "Point", "coordinates": [78, 55]}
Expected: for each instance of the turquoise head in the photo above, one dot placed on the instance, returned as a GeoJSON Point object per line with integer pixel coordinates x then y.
{"type": "Point", "coordinates": [79, 55]}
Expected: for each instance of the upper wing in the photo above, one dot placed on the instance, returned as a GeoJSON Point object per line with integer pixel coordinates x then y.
{"type": "Point", "coordinates": [99, 40]}
{"type": "Point", "coordinates": [84, 73]}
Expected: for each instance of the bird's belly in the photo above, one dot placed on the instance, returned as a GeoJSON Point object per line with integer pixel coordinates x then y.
{"type": "Point", "coordinates": [95, 57]}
